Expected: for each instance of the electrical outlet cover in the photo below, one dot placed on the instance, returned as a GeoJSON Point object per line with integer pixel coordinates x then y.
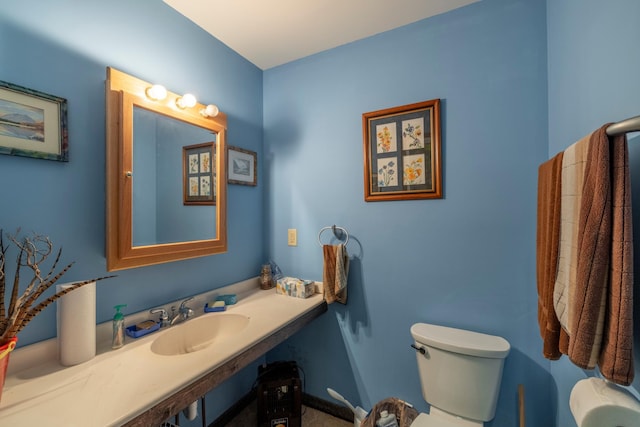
{"type": "Point", "coordinates": [292, 237]}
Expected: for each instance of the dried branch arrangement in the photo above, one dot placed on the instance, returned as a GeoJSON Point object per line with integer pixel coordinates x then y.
{"type": "Point", "coordinates": [33, 251]}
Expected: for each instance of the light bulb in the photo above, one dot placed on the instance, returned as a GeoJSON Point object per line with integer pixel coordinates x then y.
{"type": "Point", "coordinates": [186, 101]}
{"type": "Point", "coordinates": [210, 111]}
{"type": "Point", "coordinates": [156, 92]}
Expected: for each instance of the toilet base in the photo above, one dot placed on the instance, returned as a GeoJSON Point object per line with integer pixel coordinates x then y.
{"type": "Point", "coordinates": [439, 418]}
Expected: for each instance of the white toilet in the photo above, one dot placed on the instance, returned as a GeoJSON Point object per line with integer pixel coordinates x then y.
{"type": "Point", "coordinates": [460, 373]}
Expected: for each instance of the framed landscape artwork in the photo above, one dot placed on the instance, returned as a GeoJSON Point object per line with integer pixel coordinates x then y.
{"type": "Point", "coordinates": [242, 166]}
{"type": "Point", "coordinates": [32, 123]}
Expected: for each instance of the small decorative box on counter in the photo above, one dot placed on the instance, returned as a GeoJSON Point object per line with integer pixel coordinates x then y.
{"type": "Point", "coordinates": [295, 287]}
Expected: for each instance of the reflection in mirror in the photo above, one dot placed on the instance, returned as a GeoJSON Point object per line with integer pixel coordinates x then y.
{"type": "Point", "coordinates": [159, 214]}
{"type": "Point", "coordinates": [152, 215]}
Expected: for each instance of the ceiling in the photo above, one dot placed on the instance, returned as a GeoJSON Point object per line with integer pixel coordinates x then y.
{"type": "Point", "coordinates": [271, 33]}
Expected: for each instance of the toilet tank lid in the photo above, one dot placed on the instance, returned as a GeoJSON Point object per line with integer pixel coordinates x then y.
{"type": "Point", "coordinates": [460, 341]}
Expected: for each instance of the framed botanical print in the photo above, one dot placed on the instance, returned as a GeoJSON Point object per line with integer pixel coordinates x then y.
{"type": "Point", "coordinates": [402, 152]}
{"type": "Point", "coordinates": [199, 175]}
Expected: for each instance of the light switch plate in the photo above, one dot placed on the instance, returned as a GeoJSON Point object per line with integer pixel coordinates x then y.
{"type": "Point", "coordinates": [292, 237]}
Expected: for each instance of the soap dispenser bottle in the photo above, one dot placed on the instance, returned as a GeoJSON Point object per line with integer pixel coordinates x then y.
{"type": "Point", "coordinates": [118, 327]}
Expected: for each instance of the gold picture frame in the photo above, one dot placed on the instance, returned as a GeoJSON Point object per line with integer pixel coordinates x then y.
{"type": "Point", "coordinates": [402, 152]}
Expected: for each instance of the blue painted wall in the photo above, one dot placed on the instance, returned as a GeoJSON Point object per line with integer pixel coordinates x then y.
{"type": "Point", "coordinates": [467, 260]}
{"type": "Point", "coordinates": [63, 48]}
{"type": "Point", "coordinates": [593, 80]}
{"type": "Point", "coordinates": [520, 80]}
{"type": "Point", "coordinates": [66, 54]}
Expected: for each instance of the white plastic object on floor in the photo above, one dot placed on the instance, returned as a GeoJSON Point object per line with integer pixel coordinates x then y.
{"type": "Point", "coordinates": [359, 414]}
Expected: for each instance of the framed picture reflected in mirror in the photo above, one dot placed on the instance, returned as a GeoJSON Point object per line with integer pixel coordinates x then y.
{"type": "Point", "coordinates": [199, 175]}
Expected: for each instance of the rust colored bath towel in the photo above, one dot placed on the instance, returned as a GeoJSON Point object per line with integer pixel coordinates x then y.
{"type": "Point", "coordinates": [548, 242]}
{"type": "Point", "coordinates": [603, 299]}
{"type": "Point", "coordinates": [592, 259]}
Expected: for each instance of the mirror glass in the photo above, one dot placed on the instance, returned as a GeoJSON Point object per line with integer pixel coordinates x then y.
{"type": "Point", "coordinates": [159, 212]}
{"type": "Point", "coordinates": [164, 199]}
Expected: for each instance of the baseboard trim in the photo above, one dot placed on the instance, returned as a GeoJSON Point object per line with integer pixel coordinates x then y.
{"type": "Point", "coordinates": [317, 403]}
{"type": "Point", "coordinates": [327, 407]}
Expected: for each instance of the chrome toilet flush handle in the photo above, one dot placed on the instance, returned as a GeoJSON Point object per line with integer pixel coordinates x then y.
{"type": "Point", "coordinates": [420, 350]}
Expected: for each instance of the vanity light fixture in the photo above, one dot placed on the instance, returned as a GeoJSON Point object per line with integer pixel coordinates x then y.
{"type": "Point", "coordinates": [156, 92]}
{"type": "Point", "coordinates": [210, 110]}
{"type": "Point", "coordinates": [186, 101]}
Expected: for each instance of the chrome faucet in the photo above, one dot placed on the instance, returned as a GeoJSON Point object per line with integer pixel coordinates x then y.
{"type": "Point", "coordinates": [164, 318]}
{"type": "Point", "coordinates": [184, 312]}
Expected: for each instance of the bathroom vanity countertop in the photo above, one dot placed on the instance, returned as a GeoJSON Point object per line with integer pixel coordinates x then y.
{"type": "Point", "coordinates": [121, 386]}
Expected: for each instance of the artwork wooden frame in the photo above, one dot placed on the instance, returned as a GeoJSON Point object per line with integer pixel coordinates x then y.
{"type": "Point", "coordinates": [407, 139]}
{"type": "Point", "coordinates": [242, 167]}
{"type": "Point", "coordinates": [33, 123]}
{"type": "Point", "coordinates": [199, 174]}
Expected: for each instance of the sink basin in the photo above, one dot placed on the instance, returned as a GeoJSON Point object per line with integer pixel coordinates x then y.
{"type": "Point", "coordinates": [199, 333]}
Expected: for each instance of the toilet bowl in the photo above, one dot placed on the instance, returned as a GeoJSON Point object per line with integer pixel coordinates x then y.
{"type": "Point", "coordinates": [460, 375]}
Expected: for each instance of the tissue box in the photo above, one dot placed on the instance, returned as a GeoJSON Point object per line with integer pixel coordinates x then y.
{"type": "Point", "coordinates": [295, 287]}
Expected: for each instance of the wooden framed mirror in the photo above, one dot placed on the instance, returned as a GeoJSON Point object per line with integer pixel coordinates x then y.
{"type": "Point", "coordinates": [147, 175]}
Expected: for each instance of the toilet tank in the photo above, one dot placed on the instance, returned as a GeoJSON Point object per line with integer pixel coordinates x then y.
{"type": "Point", "coordinates": [460, 371]}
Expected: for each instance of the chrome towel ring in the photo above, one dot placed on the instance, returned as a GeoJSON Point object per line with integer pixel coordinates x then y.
{"type": "Point", "coordinates": [344, 233]}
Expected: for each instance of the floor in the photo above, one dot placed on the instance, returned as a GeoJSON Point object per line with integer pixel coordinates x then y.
{"type": "Point", "coordinates": [310, 418]}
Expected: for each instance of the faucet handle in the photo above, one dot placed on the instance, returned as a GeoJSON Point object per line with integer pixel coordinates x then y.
{"type": "Point", "coordinates": [164, 318]}
{"type": "Point", "coordinates": [182, 304]}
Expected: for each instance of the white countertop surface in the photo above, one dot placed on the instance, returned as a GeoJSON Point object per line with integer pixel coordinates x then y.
{"type": "Point", "coordinates": [118, 385]}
